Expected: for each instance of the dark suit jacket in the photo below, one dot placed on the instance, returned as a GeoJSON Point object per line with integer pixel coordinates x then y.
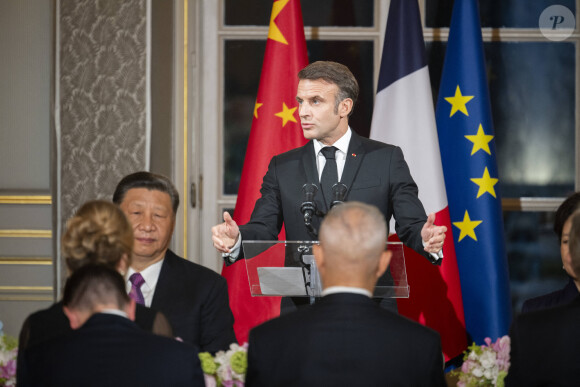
{"type": "Point", "coordinates": [344, 340]}
{"type": "Point", "coordinates": [49, 323]}
{"type": "Point", "coordinates": [550, 300]}
{"type": "Point", "coordinates": [374, 172]}
{"type": "Point", "coordinates": [110, 350]}
{"type": "Point", "coordinates": [196, 303]}
{"type": "Point", "coordinates": [545, 347]}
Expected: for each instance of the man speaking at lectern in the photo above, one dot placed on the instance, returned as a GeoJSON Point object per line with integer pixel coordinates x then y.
{"type": "Point", "coordinates": [342, 165]}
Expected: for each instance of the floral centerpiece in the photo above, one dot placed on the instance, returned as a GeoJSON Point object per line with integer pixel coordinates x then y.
{"type": "Point", "coordinates": [226, 368]}
{"type": "Point", "coordinates": [485, 365]}
{"type": "Point", "coordinates": [8, 352]}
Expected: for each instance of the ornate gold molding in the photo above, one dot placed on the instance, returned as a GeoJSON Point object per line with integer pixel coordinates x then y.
{"type": "Point", "coordinates": [26, 298]}
{"type": "Point", "coordinates": [25, 261]}
{"type": "Point", "coordinates": [185, 124]}
{"type": "Point", "coordinates": [26, 289]}
{"type": "Point", "coordinates": [26, 293]}
{"type": "Point", "coordinates": [25, 199]}
{"type": "Point", "coordinates": [25, 233]}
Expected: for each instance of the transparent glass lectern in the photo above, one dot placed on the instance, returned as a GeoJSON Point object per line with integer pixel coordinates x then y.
{"type": "Point", "coordinates": [287, 268]}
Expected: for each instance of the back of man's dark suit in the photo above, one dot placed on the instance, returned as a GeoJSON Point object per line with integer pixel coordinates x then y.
{"type": "Point", "coordinates": [110, 350]}
{"type": "Point", "coordinates": [344, 340]}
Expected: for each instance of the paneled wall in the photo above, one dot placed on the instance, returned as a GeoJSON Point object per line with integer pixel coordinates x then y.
{"type": "Point", "coordinates": [102, 96]}
{"type": "Point", "coordinates": [74, 119]}
{"type": "Point", "coordinates": [26, 267]}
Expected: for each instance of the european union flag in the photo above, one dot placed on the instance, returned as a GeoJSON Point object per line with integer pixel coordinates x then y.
{"type": "Point", "coordinates": [467, 143]}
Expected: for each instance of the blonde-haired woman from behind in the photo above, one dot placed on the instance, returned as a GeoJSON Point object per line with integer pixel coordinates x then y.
{"type": "Point", "coordinates": [99, 233]}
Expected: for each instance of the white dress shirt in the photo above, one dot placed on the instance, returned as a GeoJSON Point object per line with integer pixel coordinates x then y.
{"type": "Point", "coordinates": [345, 289]}
{"type": "Point", "coordinates": [340, 155]}
{"type": "Point", "coordinates": [115, 312]}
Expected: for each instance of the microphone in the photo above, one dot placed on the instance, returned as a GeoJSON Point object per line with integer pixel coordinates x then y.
{"type": "Point", "coordinates": [338, 194]}
{"type": "Point", "coordinates": [308, 207]}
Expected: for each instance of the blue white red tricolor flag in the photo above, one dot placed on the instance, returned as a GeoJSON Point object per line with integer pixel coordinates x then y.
{"type": "Point", "coordinates": [403, 116]}
{"type": "Point", "coordinates": [466, 136]}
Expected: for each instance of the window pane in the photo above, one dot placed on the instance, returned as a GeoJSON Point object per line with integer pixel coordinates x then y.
{"type": "Point", "coordinates": [319, 13]}
{"type": "Point", "coordinates": [243, 63]}
{"type": "Point", "coordinates": [358, 57]}
{"type": "Point", "coordinates": [533, 253]}
{"type": "Point", "coordinates": [495, 13]}
{"type": "Point", "coordinates": [532, 89]}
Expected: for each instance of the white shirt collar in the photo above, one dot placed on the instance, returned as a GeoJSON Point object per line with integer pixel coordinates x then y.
{"type": "Point", "coordinates": [346, 289]}
{"type": "Point", "coordinates": [116, 312]}
{"type": "Point", "coordinates": [150, 275]}
{"type": "Point", "coordinates": [341, 143]}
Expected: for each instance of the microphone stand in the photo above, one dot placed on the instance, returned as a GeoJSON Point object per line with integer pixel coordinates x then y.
{"type": "Point", "coordinates": [338, 194]}
{"type": "Point", "coordinates": [308, 208]}
{"type": "Point", "coordinates": [306, 273]}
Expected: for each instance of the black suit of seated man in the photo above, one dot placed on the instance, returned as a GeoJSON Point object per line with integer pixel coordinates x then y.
{"type": "Point", "coordinates": [105, 347]}
{"type": "Point", "coordinates": [192, 297]}
{"type": "Point", "coordinates": [346, 339]}
{"type": "Point", "coordinates": [545, 344]}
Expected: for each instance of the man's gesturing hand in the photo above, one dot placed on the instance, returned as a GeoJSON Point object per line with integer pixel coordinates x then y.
{"type": "Point", "coordinates": [433, 236]}
{"type": "Point", "coordinates": [225, 235]}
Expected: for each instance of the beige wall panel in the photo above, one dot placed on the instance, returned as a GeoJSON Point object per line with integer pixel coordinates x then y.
{"type": "Point", "coordinates": [25, 141]}
{"type": "Point", "coordinates": [25, 95]}
{"type": "Point", "coordinates": [25, 247]}
{"type": "Point", "coordinates": [25, 275]}
{"type": "Point", "coordinates": [161, 86]}
{"type": "Point", "coordinates": [13, 216]}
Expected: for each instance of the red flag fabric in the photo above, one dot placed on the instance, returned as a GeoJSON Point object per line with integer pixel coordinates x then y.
{"type": "Point", "coordinates": [275, 129]}
{"type": "Point", "coordinates": [403, 115]}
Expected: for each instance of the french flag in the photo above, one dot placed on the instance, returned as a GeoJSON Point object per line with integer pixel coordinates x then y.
{"type": "Point", "coordinates": [404, 116]}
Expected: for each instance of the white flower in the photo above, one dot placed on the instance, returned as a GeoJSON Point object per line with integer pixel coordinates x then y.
{"type": "Point", "coordinates": [235, 347]}
{"type": "Point", "coordinates": [488, 359]}
{"type": "Point", "coordinates": [477, 372]}
{"type": "Point", "coordinates": [224, 373]}
{"type": "Point", "coordinates": [488, 374]}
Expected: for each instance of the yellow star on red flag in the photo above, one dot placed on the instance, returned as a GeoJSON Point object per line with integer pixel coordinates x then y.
{"type": "Point", "coordinates": [286, 114]}
{"type": "Point", "coordinates": [257, 105]}
{"type": "Point", "coordinates": [274, 32]}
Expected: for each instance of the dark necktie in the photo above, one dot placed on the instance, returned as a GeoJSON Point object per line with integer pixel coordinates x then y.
{"type": "Point", "coordinates": [329, 173]}
{"type": "Point", "coordinates": [137, 280]}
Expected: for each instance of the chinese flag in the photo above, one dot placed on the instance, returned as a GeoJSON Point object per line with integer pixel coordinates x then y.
{"type": "Point", "coordinates": [275, 129]}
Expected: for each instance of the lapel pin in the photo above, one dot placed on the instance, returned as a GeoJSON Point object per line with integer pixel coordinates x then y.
{"type": "Point", "coordinates": [353, 154]}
